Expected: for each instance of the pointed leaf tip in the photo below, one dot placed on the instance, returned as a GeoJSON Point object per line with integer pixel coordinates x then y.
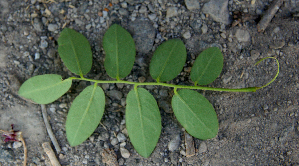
{"type": "Point", "coordinates": [143, 121]}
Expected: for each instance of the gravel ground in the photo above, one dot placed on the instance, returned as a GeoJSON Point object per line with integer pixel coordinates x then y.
{"type": "Point", "coordinates": [260, 128]}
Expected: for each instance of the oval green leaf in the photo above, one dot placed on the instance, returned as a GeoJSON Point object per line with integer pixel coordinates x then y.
{"type": "Point", "coordinates": [85, 114]}
{"type": "Point", "coordinates": [75, 51]}
{"type": "Point", "coordinates": [44, 89]}
{"type": "Point", "coordinates": [120, 51]}
{"type": "Point", "coordinates": [168, 60]}
{"type": "Point", "coordinates": [207, 66]}
{"type": "Point", "coordinates": [143, 121]}
{"type": "Point", "coordinates": [195, 113]}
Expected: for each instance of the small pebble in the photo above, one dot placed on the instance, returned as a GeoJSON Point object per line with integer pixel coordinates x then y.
{"type": "Point", "coordinates": [105, 14]}
{"type": "Point", "coordinates": [143, 9]}
{"type": "Point", "coordinates": [202, 148]}
{"type": "Point", "coordinates": [187, 35]}
{"type": "Point", "coordinates": [16, 144]}
{"type": "Point", "coordinates": [123, 144]}
{"type": "Point", "coordinates": [171, 12]}
{"type": "Point", "coordinates": [115, 94]}
{"type": "Point", "coordinates": [152, 16]}
{"type": "Point", "coordinates": [174, 143]}
{"type": "Point", "coordinates": [121, 137]}
{"type": "Point", "coordinates": [52, 27]}
{"type": "Point", "coordinates": [62, 105]}
{"type": "Point", "coordinates": [43, 43]}
{"type": "Point", "coordinates": [36, 55]}
{"type": "Point", "coordinates": [124, 5]}
{"type": "Point", "coordinates": [114, 141]}
{"type": "Point", "coordinates": [88, 26]}
{"type": "Point", "coordinates": [123, 12]}
{"type": "Point", "coordinates": [124, 153]}
{"type": "Point", "coordinates": [204, 29]}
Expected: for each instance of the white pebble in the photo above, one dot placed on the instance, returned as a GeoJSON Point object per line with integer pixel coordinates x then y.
{"type": "Point", "coordinates": [124, 153]}
{"type": "Point", "coordinates": [36, 55]}
{"type": "Point", "coordinates": [187, 35]}
{"type": "Point", "coordinates": [17, 145]}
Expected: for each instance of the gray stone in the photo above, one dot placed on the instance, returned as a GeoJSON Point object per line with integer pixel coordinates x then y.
{"type": "Point", "coordinates": [43, 43]}
{"type": "Point", "coordinates": [36, 55]}
{"type": "Point", "coordinates": [114, 141]}
{"type": "Point", "coordinates": [143, 34]}
{"type": "Point", "coordinates": [121, 137]}
{"type": "Point", "coordinates": [204, 29]}
{"type": "Point", "coordinates": [123, 12]}
{"type": "Point", "coordinates": [88, 26]}
{"type": "Point", "coordinates": [242, 35]}
{"type": "Point", "coordinates": [165, 106]}
{"type": "Point", "coordinates": [192, 4]}
{"type": "Point", "coordinates": [202, 148]}
{"type": "Point", "coordinates": [196, 26]}
{"type": "Point", "coordinates": [79, 22]}
{"type": "Point", "coordinates": [187, 35]}
{"type": "Point", "coordinates": [105, 14]}
{"type": "Point", "coordinates": [38, 25]}
{"type": "Point", "coordinates": [174, 143]}
{"type": "Point", "coordinates": [124, 5]}
{"type": "Point", "coordinates": [171, 12]}
{"type": "Point", "coordinates": [124, 153]}
{"type": "Point", "coordinates": [152, 16]}
{"type": "Point", "coordinates": [143, 9]}
{"type": "Point", "coordinates": [16, 144]}
{"type": "Point", "coordinates": [115, 94]}
{"type": "Point", "coordinates": [218, 10]}
{"type": "Point", "coordinates": [52, 27]}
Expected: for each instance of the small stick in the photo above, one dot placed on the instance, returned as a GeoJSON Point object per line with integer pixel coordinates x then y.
{"type": "Point", "coordinates": [49, 151]}
{"type": "Point", "coordinates": [264, 22]}
{"type": "Point", "coordinates": [49, 129]}
{"type": "Point", "coordinates": [25, 150]}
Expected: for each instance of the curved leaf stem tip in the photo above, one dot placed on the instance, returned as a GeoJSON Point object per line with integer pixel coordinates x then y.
{"type": "Point", "coordinates": [248, 89]}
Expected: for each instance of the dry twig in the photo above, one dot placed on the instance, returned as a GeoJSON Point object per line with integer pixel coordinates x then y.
{"type": "Point", "coordinates": [262, 25]}
{"type": "Point", "coordinates": [49, 151]}
{"type": "Point", "coordinates": [49, 129]}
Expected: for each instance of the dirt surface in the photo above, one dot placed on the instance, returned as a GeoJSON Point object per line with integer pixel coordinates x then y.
{"type": "Point", "coordinates": [260, 128]}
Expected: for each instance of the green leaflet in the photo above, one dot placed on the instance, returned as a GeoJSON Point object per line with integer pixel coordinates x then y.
{"type": "Point", "coordinates": [207, 66]}
{"type": "Point", "coordinates": [75, 51]}
{"type": "Point", "coordinates": [195, 113]}
{"type": "Point", "coordinates": [143, 121]}
{"type": "Point", "coordinates": [44, 89]}
{"type": "Point", "coordinates": [85, 114]}
{"type": "Point", "coordinates": [120, 52]}
{"type": "Point", "coordinates": [168, 60]}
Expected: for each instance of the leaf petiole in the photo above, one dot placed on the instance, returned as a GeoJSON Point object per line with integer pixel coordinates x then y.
{"type": "Point", "coordinates": [248, 89]}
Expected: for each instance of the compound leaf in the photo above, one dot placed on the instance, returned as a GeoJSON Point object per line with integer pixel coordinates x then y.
{"type": "Point", "coordinates": [195, 113]}
{"type": "Point", "coordinates": [207, 66]}
{"type": "Point", "coordinates": [168, 60]}
{"type": "Point", "coordinates": [44, 89]}
{"type": "Point", "coordinates": [85, 114]}
{"type": "Point", "coordinates": [75, 51]}
{"type": "Point", "coordinates": [120, 52]}
{"type": "Point", "coordinates": [143, 121]}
